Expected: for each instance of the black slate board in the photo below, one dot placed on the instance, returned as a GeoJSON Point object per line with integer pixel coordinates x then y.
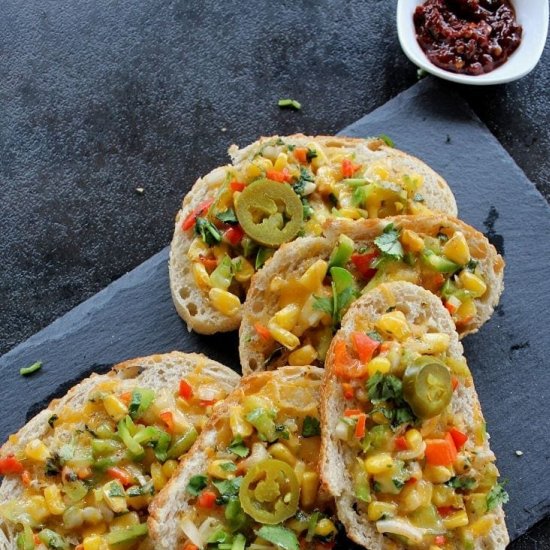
{"type": "Point", "coordinates": [134, 316]}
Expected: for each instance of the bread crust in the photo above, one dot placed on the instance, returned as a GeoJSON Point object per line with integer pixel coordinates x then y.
{"type": "Point", "coordinates": [173, 499]}
{"type": "Point", "coordinates": [191, 302]}
{"type": "Point", "coordinates": [154, 371]}
{"type": "Point", "coordinates": [293, 259]}
{"type": "Point", "coordinates": [417, 304]}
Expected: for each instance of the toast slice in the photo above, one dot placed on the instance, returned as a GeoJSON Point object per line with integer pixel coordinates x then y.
{"type": "Point", "coordinates": [252, 477]}
{"type": "Point", "coordinates": [103, 450]}
{"type": "Point", "coordinates": [405, 452]}
{"type": "Point", "coordinates": [290, 314]}
{"type": "Point", "coordinates": [212, 259]}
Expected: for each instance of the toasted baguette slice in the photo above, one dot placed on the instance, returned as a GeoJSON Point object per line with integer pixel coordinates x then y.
{"type": "Point", "coordinates": [293, 393]}
{"type": "Point", "coordinates": [156, 372]}
{"type": "Point", "coordinates": [423, 313]}
{"type": "Point", "coordinates": [293, 260]}
{"type": "Point", "coordinates": [388, 167]}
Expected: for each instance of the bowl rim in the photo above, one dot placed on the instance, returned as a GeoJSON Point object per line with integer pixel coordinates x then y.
{"type": "Point", "coordinates": [407, 39]}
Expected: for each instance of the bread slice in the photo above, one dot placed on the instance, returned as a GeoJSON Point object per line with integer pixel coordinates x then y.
{"type": "Point", "coordinates": [424, 312]}
{"type": "Point", "coordinates": [292, 260]}
{"type": "Point", "coordinates": [192, 302]}
{"type": "Point", "coordinates": [293, 390]}
{"type": "Point", "coordinates": [154, 372]}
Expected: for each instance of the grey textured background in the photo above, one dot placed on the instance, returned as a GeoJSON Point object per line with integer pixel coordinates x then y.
{"type": "Point", "coordinates": [99, 97]}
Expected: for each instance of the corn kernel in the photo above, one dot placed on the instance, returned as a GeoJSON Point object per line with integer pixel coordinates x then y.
{"type": "Point", "coordinates": [200, 275]}
{"type": "Point", "coordinates": [276, 284]}
{"type": "Point", "coordinates": [287, 317]}
{"type": "Point", "coordinates": [305, 355]}
{"type": "Point", "coordinates": [245, 271]}
{"type": "Point", "coordinates": [197, 249]}
{"type": "Point", "coordinates": [433, 342]}
{"type": "Point", "coordinates": [379, 418]}
{"type": "Point", "coordinates": [325, 528]}
{"type": "Point", "coordinates": [471, 282]}
{"type": "Point", "coordinates": [394, 324]}
{"type": "Point", "coordinates": [224, 301]}
{"type": "Point", "coordinates": [456, 249]}
{"type": "Point", "coordinates": [378, 364]}
{"type": "Point", "coordinates": [379, 463]}
{"type": "Point", "coordinates": [413, 438]}
{"type": "Point", "coordinates": [123, 522]}
{"type": "Point", "coordinates": [281, 162]}
{"type": "Point", "coordinates": [279, 451]}
{"type": "Point", "coordinates": [377, 509]}
{"type": "Point", "coordinates": [36, 450]}
{"type": "Point", "coordinates": [466, 311]}
{"type": "Point", "coordinates": [215, 469]}
{"type": "Point", "coordinates": [314, 275]}
{"type": "Point", "coordinates": [416, 495]}
{"type": "Point", "coordinates": [284, 337]}
{"type": "Point", "coordinates": [309, 489]}
{"type": "Point", "coordinates": [114, 496]}
{"type": "Point", "coordinates": [115, 408]}
{"type": "Point", "coordinates": [37, 509]}
{"type": "Point", "coordinates": [443, 495]}
{"type": "Point", "coordinates": [94, 531]}
{"type": "Point", "coordinates": [437, 474]}
{"type": "Point", "coordinates": [157, 475]}
{"type": "Point", "coordinates": [238, 424]}
{"type": "Point", "coordinates": [482, 526]}
{"type": "Point", "coordinates": [412, 241]}
{"type": "Point", "coordinates": [381, 173]}
{"type": "Point", "coordinates": [54, 502]}
{"type": "Point", "coordinates": [458, 519]}
{"type": "Point", "coordinates": [94, 542]}
{"type": "Point", "coordinates": [253, 171]}
{"type": "Point", "coordinates": [169, 467]}
{"type": "Point", "coordinates": [350, 213]}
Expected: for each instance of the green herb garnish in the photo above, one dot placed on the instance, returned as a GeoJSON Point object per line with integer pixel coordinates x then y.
{"type": "Point", "coordinates": [25, 371]}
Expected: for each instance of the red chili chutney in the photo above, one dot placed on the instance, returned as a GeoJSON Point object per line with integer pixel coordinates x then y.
{"type": "Point", "coordinates": [467, 36]}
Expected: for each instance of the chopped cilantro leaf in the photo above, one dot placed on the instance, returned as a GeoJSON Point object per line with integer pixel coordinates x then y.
{"type": "Point", "coordinates": [322, 303]}
{"type": "Point", "coordinates": [207, 231]}
{"type": "Point", "coordinates": [382, 387]}
{"type": "Point", "coordinates": [279, 536]}
{"type": "Point", "coordinates": [228, 216]}
{"type": "Point", "coordinates": [228, 466]}
{"type": "Point", "coordinates": [196, 485]}
{"type": "Point", "coordinates": [311, 427]}
{"type": "Point", "coordinates": [374, 335]}
{"type": "Point", "coordinates": [496, 497]}
{"type": "Point", "coordinates": [388, 243]}
{"type": "Point", "coordinates": [387, 140]}
{"type": "Point", "coordinates": [229, 487]}
{"type": "Point", "coordinates": [461, 482]}
{"type": "Point", "coordinates": [282, 431]}
{"type": "Point", "coordinates": [238, 447]}
{"type": "Point", "coordinates": [52, 419]}
{"type": "Point", "coordinates": [305, 177]}
{"type": "Point", "coordinates": [311, 154]}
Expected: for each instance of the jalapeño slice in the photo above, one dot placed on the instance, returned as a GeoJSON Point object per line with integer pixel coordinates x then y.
{"type": "Point", "coordinates": [271, 213]}
{"type": "Point", "coordinates": [270, 492]}
{"type": "Point", "coordinates": [427, 387]}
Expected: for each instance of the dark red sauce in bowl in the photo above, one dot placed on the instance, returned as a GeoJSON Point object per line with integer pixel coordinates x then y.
{"type": "Point", "coordinates": [467, 36]}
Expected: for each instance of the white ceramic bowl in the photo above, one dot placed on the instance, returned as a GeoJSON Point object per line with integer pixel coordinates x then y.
{"type": "Point", "coordinates": [531, 14]}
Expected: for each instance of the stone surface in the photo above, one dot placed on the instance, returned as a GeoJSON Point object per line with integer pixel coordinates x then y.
{"type": "Point", "coordinates": [134, 315]}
